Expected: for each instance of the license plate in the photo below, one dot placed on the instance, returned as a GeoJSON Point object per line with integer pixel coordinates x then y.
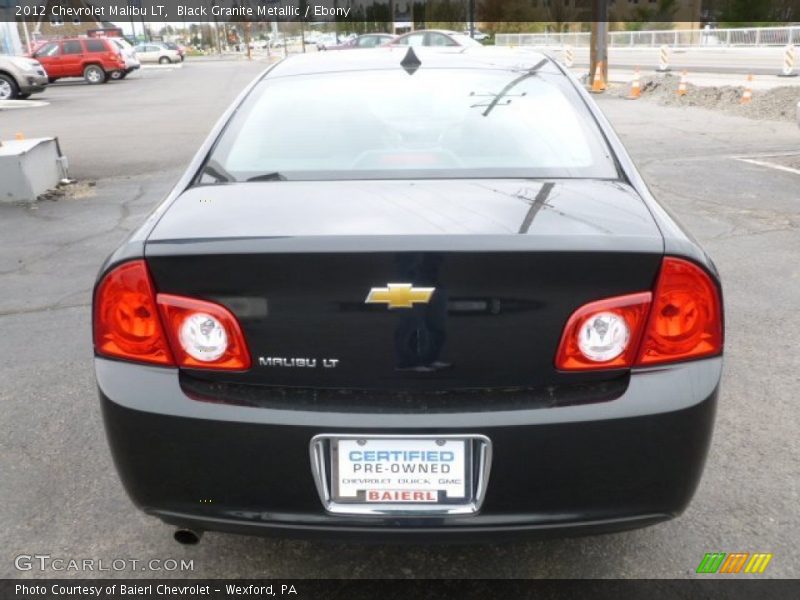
{"type": "Point", "coordinates": [401, 470]}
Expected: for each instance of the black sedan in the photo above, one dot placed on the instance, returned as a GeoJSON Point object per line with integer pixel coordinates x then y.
{"type": "Point", "coordinates": [443, 304]}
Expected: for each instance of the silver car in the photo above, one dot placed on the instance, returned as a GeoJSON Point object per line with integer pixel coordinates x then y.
{"type": "Point", "coordinates": [155, 52]}
{"type": "Point", "coordinates": [129, 54]}
{"type": "Point", "coordinates": [20, 77]}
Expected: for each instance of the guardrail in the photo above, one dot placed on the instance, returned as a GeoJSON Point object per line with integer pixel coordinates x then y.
{"type": "Point", "coordinates": [748, 36]}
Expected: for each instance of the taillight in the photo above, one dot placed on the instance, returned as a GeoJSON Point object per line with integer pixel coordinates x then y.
{"type": "Point", "coordinates": [126, 321]}
{"type": "Point", "coordinates": [604, 334]}
{"type": "Point", "coordinates": [681, 320]}
{"type": "Point", "coordinates": [133, 323]}
{"type": "Point", "coordinates": [203, 335]}
{"type": "Point", "coordinates": [686, 318]}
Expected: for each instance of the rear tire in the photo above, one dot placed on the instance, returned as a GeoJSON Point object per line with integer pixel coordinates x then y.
{"type": "Point", "coordinates": [164, 60]}
{"type": "Point", "coordinates": [94, 75]}
{"type": "Point", "coordinates": [8, 88]}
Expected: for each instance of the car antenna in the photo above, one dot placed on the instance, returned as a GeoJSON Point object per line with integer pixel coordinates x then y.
{"type": "Point", "coordinates": [410, 62]}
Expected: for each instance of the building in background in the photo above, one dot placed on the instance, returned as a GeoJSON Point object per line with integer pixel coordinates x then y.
{"type": "Point", "coordinates": [9, 36]}
{"type": "Point", "coordinates": [50, 27]}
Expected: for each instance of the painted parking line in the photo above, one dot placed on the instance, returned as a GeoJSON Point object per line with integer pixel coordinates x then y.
{"type": "Point", "coordinates": [166, 66]}
{"type": "Point", "coordinates": [762, 161]}
{"type": "Point", "coordinates": [13, 104]}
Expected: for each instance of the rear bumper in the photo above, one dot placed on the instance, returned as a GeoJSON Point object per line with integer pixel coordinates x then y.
{"type": "Point", "coordinates": [610, 466]}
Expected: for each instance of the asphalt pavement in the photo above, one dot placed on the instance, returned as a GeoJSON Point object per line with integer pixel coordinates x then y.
{"type": "Point", "coordinates": [127, 142]}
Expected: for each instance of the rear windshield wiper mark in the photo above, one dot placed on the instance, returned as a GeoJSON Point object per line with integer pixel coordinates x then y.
{"type": "Point", "coordinates": [274, 176]}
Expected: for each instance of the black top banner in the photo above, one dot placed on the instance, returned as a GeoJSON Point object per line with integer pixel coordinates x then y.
{"type": "Point", "coordinates": [411, 11]}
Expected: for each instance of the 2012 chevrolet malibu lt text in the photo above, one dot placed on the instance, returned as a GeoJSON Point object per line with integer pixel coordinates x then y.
{"type": "Point", "coordinates": [409, 294]}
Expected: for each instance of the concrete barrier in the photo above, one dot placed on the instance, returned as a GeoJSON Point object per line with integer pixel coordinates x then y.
{"type": "Point", "coordinates": [28, 168]}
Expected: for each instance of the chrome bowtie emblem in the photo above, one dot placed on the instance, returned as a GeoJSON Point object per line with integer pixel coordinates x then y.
{"type": "Point", "coordinates": [399, 295]}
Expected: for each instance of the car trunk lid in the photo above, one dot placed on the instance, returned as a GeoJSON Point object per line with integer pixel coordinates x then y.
{"type": "Point", "coordinates": [508, 261]}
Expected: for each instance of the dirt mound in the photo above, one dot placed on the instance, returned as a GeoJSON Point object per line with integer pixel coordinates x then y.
{"type": "Point", "coordinates": [776, 104]}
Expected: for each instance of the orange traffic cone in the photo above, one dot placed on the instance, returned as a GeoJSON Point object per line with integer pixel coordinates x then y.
{"type": "Point", "coordinates": [747, 96]}
{"type": "Point", "coordinates": [682, 85]}
{"type": "Point", "coordinates": [599, 84]}
{"type": "Point", "coordinates": [19, 136]}
{"type": "Point", "coordinates": [636, 87]}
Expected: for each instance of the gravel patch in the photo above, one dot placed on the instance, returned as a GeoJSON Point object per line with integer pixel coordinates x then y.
{"type": "Point", "coordinates": [776, 104]}
{"type": "Point", "coordinates": [70, 191]}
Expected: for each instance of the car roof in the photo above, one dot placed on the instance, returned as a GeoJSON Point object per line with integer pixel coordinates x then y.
{"type": "Point", "coordinates": [388, 57]}
{"type": "Point", "coordinates": [445, 31]}
{"type": "Point", "coordinates": [77, 39]}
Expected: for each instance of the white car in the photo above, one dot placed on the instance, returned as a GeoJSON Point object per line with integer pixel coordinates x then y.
{"type": "Point", "coordinates": [153, 52]}
{"type": "Point", "coordinates": [327, 39]}
{"type": "Point", "coordinates": [129, 54]}
{"type": "Point", "coordinates": [479, 36]}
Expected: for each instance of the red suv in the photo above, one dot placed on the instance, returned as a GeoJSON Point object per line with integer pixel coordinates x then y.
{"type": "Point", "coordinates": [94, 59]}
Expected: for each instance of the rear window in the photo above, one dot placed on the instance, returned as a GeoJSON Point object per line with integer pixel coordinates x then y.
{"type": "Point", "coordinates": [95, 46]}
{"type": "Point", "coordinates": [436, 123]}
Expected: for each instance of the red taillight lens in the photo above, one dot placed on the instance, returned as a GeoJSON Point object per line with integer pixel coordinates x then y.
{"type": "Point", "coordinates": [686, 318]}
{"type": "Point", "coordinates": [133, 323]}
{"type": "Point", "coordinates": [682, 320]}
{"type": "Point", "coordinates": [126, 321]}
{"type": "Point", "coordinates": [203, 335]}
{"type": "Point", "coordinates": [604, 334]}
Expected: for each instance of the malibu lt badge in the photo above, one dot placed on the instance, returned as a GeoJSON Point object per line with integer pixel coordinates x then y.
{"type": "Point", "coordinates": [310, 363]}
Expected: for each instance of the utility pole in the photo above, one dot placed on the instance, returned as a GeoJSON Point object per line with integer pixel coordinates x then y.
{"type": "Point", "coordinates": [598, 53]}
{"type": "Point", "coordinates": [217, 44]}
{"type": "Point", "coordinates": [247, 38]}
{"type": "Point", "coordinates": [302, 27]}
{"type": "Point", "coordinates": [471, 17]}
{"type": "Point", "coordinates": [28, 47]}
{"type": "Point", "coordinates": [336, 24]}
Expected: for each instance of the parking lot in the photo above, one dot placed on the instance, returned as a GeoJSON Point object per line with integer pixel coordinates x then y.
{"type": "Point", "coordinates": [127, 143]}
